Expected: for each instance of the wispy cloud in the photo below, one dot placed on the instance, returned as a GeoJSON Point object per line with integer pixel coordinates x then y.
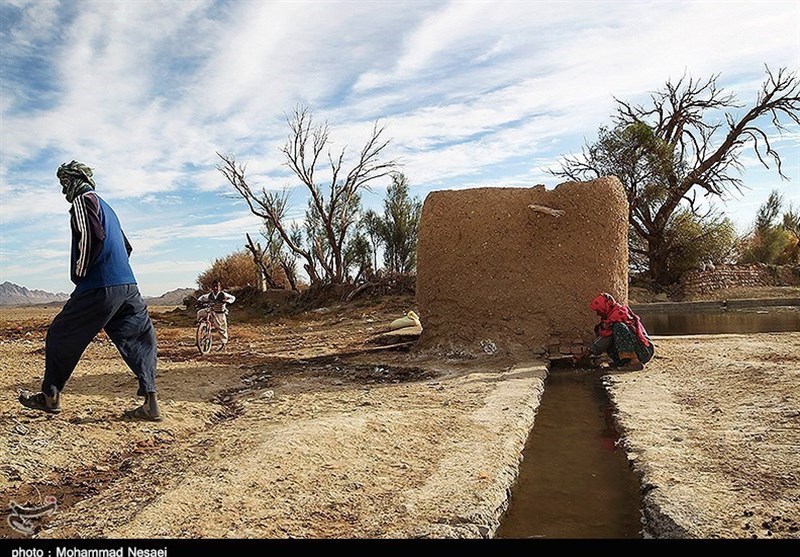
{"type": "Point", "coordinates": [472, 93]}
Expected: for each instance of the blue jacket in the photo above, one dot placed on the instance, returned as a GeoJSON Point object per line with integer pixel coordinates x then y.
{"type": "Point", "coordinates": [100, 250]}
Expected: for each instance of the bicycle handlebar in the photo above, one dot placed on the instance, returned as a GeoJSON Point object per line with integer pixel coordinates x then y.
{"type": "Point", "coordinates": [205, 305]}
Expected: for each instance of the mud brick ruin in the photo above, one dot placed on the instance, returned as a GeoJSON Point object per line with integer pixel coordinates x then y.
{"type": "Point", "coordinates": [512, 270]}
{"type": "Point", "coordinates": [730, 276]}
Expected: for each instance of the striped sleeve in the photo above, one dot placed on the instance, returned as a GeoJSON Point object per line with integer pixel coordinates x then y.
{"type": "Point", "coordinates": [88, 228]}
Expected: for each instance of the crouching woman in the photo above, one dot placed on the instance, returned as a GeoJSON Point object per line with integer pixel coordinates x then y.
{"type": "Point", "coordinates": [620, 334]}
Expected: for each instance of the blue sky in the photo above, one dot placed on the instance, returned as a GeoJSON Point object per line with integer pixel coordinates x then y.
{"type": "Point", "coordinates": [473, 94]}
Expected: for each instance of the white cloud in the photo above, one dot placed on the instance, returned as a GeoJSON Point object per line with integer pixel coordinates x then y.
{"type": "Point", "coordinates": [35, 271]}
{"type": "Point", "coordinates": [147, 240]}
{"type": "Point", "coordinates": [473, 93]}
{"type": "Point", "coordinates": [37, 19]}
{"type": "Point", "coordinates": [23, 206]}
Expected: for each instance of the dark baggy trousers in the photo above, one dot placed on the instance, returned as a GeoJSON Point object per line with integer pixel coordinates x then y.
{"type": "Point", "coordinates": [122, 313]}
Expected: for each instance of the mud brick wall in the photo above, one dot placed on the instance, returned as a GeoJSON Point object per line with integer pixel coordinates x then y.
{"type": "Point", "coordinates": [495, 276]}
{"type": "Point", "coordinates": [728, 276]}
{"type": "Point", "coordinates": [786, 275]}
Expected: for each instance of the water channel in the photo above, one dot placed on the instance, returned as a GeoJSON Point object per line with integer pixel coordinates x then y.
{"type": "Point", "coordinates": [574, 481]}
{"type": "Point", "coordinates": [750, 320]}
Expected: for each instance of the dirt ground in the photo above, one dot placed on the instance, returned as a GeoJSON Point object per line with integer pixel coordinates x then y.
{"type": "Point", "coordinates": [296, 431]}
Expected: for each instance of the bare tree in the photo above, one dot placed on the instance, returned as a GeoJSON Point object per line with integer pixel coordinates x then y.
{"type": "Point", "coordinates": [280, 259]}
{"type": "Point", "coordinates": [668, 151]}
{"type": "Point", "coordinates": [260, 258]}
{"type": "Point", "coordinates": [333, 207]}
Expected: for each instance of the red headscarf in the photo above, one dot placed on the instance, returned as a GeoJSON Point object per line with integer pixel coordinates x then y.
{"type": "Point", "coordinates": [612, 312]}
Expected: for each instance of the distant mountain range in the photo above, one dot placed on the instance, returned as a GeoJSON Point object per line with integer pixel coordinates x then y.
{"type": "Point", "coordinates": [171, 298]}
{"type": "Point", "coordinates": [14, 295]}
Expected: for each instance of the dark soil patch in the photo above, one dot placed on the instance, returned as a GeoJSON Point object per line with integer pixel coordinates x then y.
{"type": "Point", "coordinates": [334, 368]}
{"type": "Point", "coordinates": [72, 487]}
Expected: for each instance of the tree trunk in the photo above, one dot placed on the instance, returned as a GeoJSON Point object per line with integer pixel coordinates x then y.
{"type": "Point", "coordinates": [264, 276]}
{"type": "Point", "coordinates": [658, 257]}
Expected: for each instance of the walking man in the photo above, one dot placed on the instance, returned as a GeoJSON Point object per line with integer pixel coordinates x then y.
{"type": "Point", "coordinates": [106, 297]}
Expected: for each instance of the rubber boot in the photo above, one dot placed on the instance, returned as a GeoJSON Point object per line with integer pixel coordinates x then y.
{"type": "Point", "coordinates": [149, 410]}
{"type": "Point", "coordinates": [42, 401]}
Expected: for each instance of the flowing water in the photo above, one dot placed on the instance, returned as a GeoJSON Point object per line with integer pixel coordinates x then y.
{"type": "Point", "coordinates": [574, 482]}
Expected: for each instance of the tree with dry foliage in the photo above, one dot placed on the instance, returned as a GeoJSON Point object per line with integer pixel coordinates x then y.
{"type": "Point", "coordinates": [332, 213]}
{"type": "Point", "coordinates": [697, 241]}
{"type": "Point", "coordinates": [235, 270]}
{"type": "Point", "coordinates": [276, 268]}
{"type": "Point", "coordinates": [773, 239]}
{"type": "Point", "coordinates": [676, 146]}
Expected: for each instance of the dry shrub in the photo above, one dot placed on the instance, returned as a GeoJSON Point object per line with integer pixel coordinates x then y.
{"type": "Point", "coordinates": [236, 270]}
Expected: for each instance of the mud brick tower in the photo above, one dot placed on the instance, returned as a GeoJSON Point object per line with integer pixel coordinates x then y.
{"type": "Point", "coordinates": [512, 270]}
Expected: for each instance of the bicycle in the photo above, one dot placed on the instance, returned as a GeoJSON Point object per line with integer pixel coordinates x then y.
{"type": "Point", "coordinates": [204, 339]}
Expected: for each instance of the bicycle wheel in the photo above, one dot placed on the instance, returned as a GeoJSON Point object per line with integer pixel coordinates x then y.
{"type": "Point", "coordinates": [204, 337]}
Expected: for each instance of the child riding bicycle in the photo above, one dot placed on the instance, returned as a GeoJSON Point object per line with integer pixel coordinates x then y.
{"type": "Point", "coordinates": [215, 304]}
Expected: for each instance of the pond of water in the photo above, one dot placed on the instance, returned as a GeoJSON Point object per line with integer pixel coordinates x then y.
{"type": "Point", "coordinates": [764, 320]}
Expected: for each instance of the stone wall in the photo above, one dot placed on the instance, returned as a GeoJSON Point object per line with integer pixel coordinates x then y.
{"type": "Point", "coordinates": [730, 276]}
{"type": "Point", "coordinates": [497, 276]}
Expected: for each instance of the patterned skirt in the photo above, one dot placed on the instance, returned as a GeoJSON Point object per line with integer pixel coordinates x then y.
{"type": "Point", "coordinates": [626, 342]}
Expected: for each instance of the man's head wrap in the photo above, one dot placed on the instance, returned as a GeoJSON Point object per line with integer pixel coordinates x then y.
{"type": "Point", "coordinates": [75, 178]}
